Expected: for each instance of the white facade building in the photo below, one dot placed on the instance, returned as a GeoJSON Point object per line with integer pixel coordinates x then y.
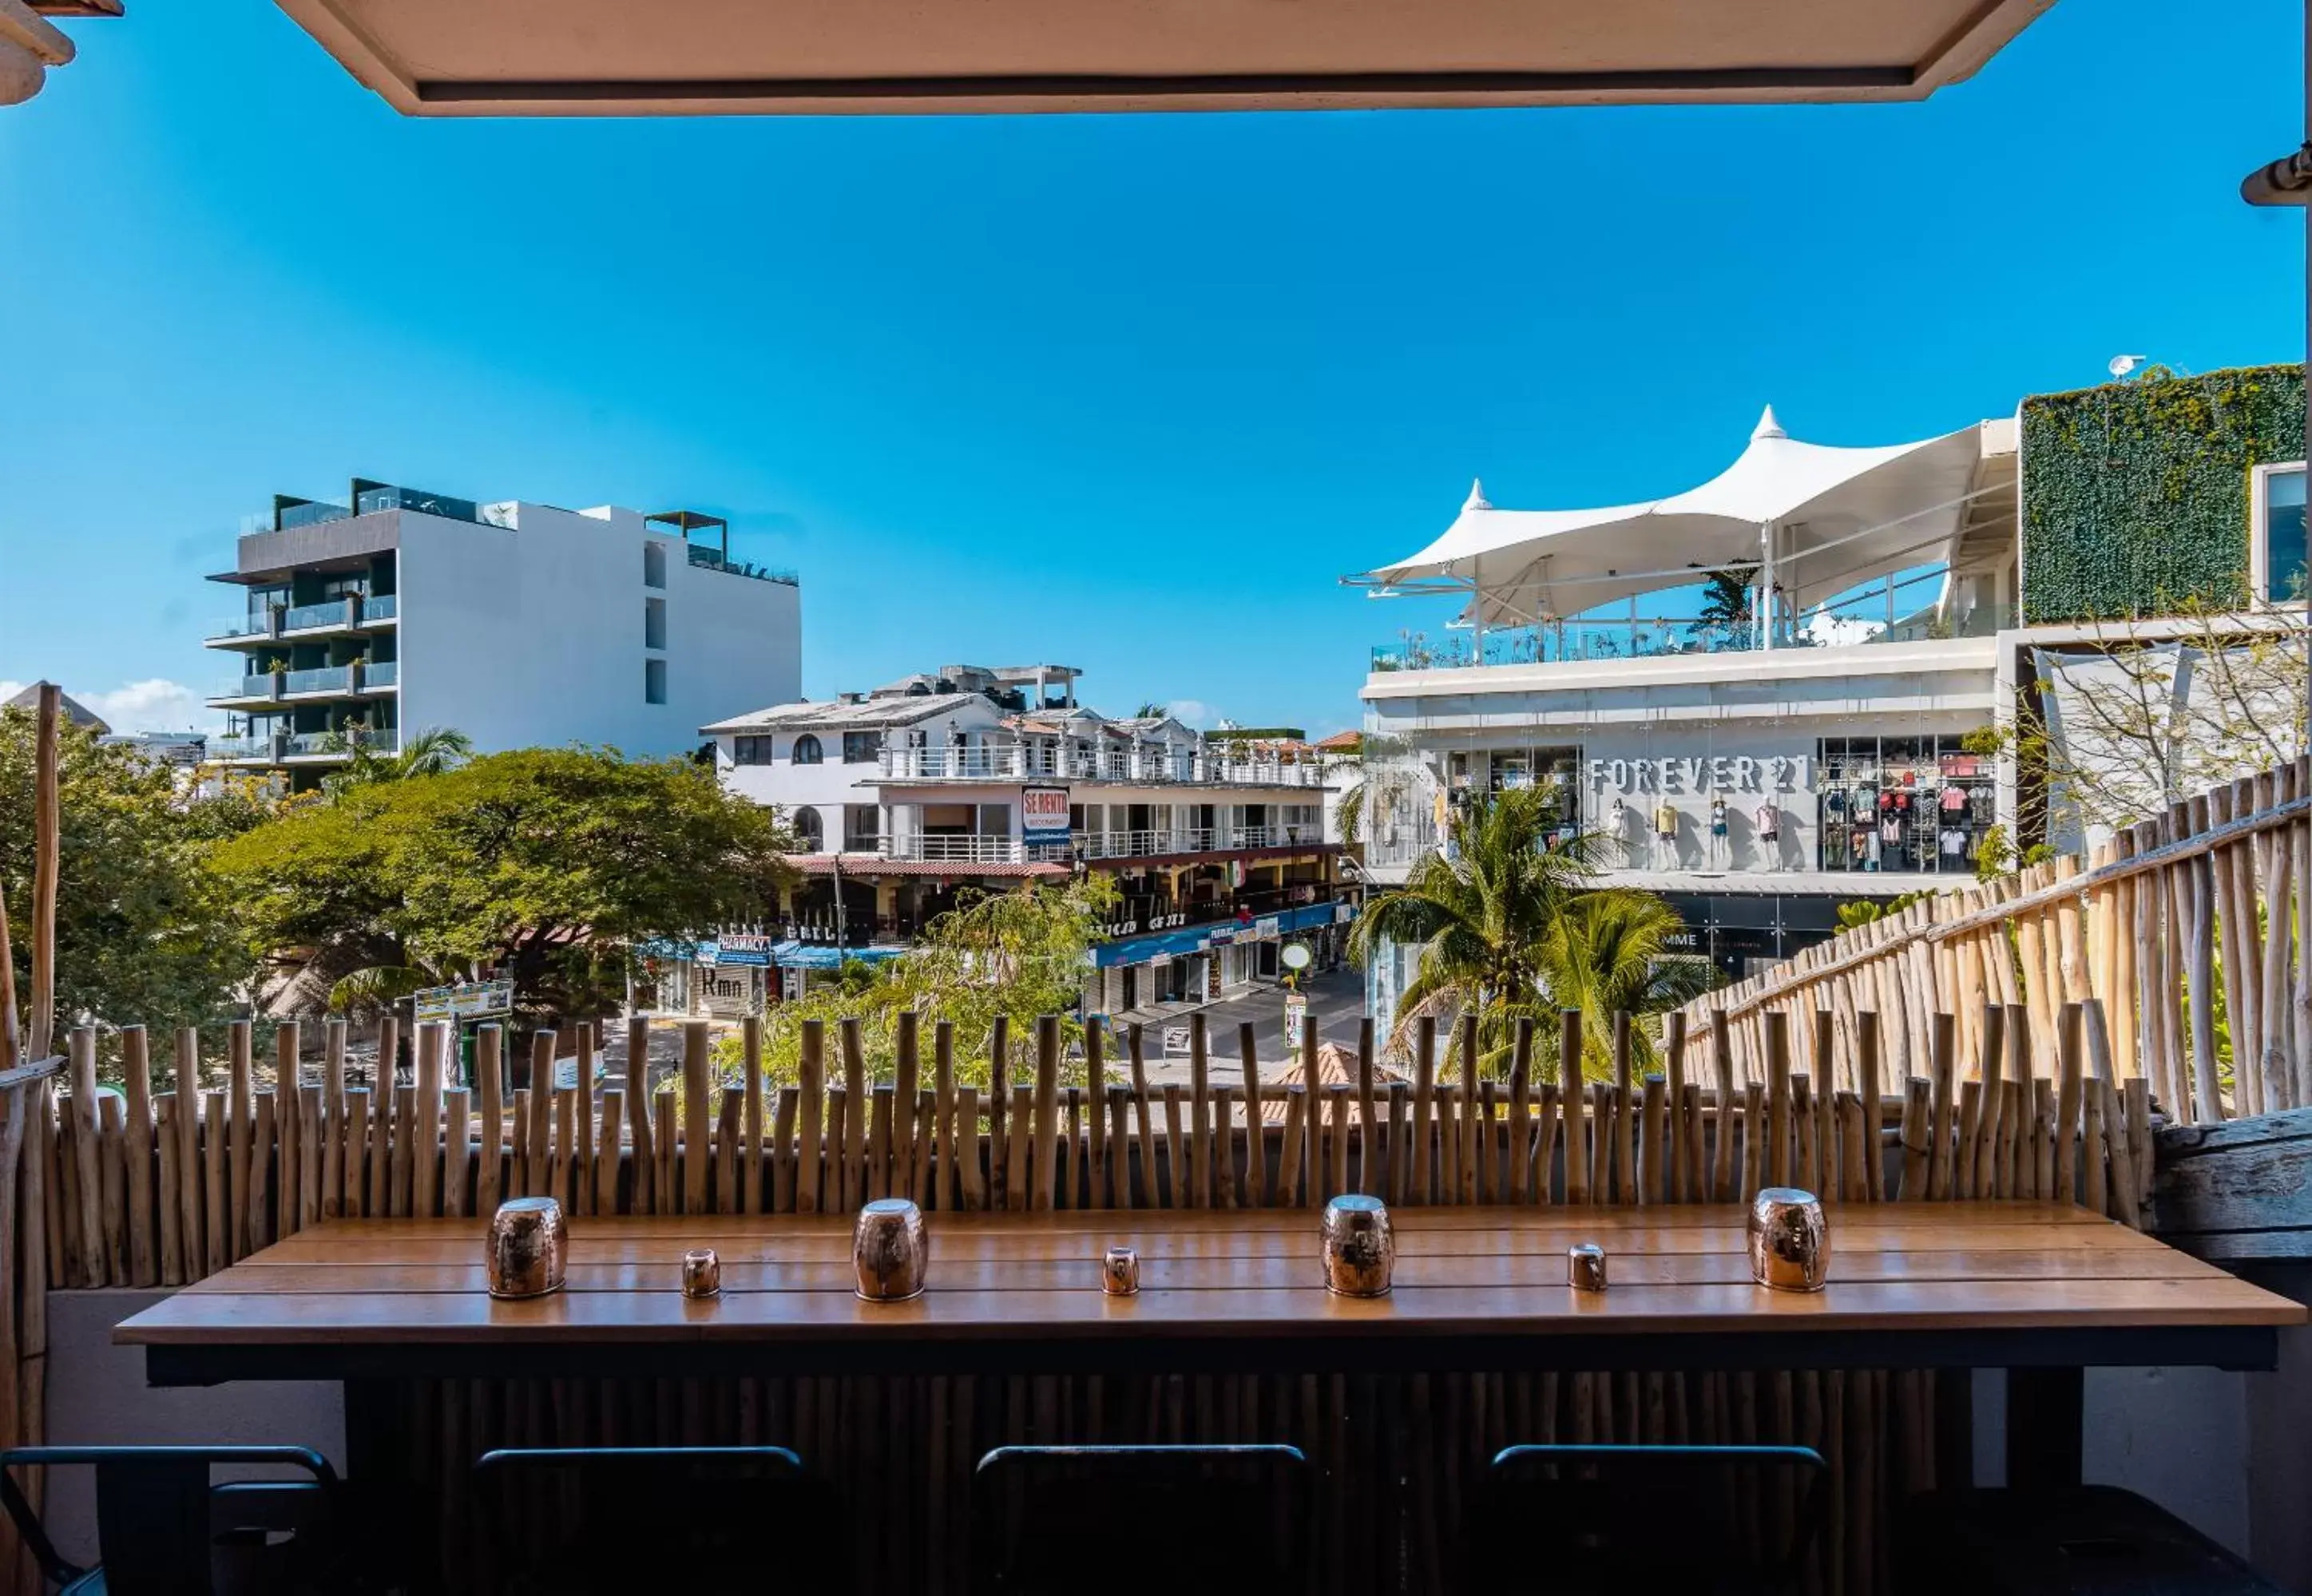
{"type": "Point", "coordinates": [518, 625]}
{"type": "Point", "coordinates": [972, 775]}
{"type": "Point", "coordinates": [1819, 742]}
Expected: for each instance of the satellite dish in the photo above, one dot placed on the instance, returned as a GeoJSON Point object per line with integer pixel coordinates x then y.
{"type": "Point", "coordinates": [1295, 956]}
{"type": "Point", "coordinates": [2122, 364]}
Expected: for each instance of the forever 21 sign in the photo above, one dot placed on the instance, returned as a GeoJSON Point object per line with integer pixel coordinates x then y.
{"type": "Point", "coordinates": [1043, 814]}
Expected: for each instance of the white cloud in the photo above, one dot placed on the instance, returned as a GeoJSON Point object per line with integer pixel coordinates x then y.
{"type": "Point", "coordinates": [153, 704]}
{"type": "Point", "coordinates": [1192, 711]}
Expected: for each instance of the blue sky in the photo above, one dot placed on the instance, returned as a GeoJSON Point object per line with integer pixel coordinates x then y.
{"type": "Point", "coordinates": [1128, 392]}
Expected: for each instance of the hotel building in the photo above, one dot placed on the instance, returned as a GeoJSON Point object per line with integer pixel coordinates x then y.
{"type": "Point", "coordinates": [518, 624]}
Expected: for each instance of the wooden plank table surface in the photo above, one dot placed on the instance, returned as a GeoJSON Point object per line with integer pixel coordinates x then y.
{"type": "Point", "coordinates": [1946, 1285]}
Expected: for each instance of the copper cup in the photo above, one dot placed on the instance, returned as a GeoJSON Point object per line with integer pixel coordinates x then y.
{"type": "Point", "coordinates": [528, 1245]}
{"type": "Point", "coordinates": [1119, 1272]}
{"type": "Point", "coordinates": [1359, 1247]}
{"type": "Point", "coordinates": [890, 1251]}
{"type": "Point", "coordinates": [1585, 1267]}
{"type": "Point", "coordinates": [701, 1273]}
{"type": "Point", "coordinates": [1789, 1240]}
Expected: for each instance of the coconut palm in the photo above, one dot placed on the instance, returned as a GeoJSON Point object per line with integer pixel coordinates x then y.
{"type": "Point", "coordinates": [428, 752]}
{"type": "Point", "coordinates": [1514, 927]}
{"type": "Point", "coordinates": [1726, 601]}
{"type": "Point", "coordinates": [1614, 951]}
{"type": "Point", "coordinates": [1484, 913]}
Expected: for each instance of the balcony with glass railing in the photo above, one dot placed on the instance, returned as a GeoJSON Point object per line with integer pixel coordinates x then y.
{"type": "Point", "coordinates": [1875, 615]}
{"type": "Point", "coordinates": [377, 675]}
{"type": "Point", "coordinates": [342, 613]}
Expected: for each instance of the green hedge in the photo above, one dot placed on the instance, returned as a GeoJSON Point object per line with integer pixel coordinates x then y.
{"type": "Point", "coordinates": [2135, 494]}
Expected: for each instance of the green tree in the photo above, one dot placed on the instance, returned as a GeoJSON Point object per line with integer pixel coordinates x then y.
{"type": "Point", "coordinates": [145, 934]}
{"type": "Point", "coordinates": [1726, 603]}
{"type": "Point", "coordinates": [547, 865]}
{"type": "Point", "coordinates": [1615, 951]}
{"type": "Point", "coordinates": [428, 752]}
{"type": "Point", "coordinates": [1018, 953]}
{"type": "Point", "coordinates": [1482, 912]}
{"type": "Point", "coordinates": [1514, 928]}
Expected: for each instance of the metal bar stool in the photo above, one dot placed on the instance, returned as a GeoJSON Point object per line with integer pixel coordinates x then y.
{"type": "Point", "coordinates": [1634, 1521]}
{"type": "Point", "coordinates": [1141, 1520]}
{"type": "Point", "coordinates": [165, 1527]}
{"type": "Point", "coordinates": [705, 1520]}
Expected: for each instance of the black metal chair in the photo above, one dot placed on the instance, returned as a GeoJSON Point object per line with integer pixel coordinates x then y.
{"type": "Point", "coordinates": [2086, 1540]}
{"type": "Point", "coordinates": [1638, 1520]}
{"type": "Point", "coordinates": [166, 1527]}
{"type": "Point", "coordinates": [702, 1521]}
{"type": "Point", "coordinates": [1141, 1520]}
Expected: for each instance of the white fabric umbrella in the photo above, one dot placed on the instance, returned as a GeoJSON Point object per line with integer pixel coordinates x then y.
{"type": "Point", "coordinates": [1841, 517]}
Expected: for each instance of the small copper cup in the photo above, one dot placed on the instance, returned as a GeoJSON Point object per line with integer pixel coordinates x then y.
{"type": "Point", "coordinates": [1585, 1267]}
{"type": "Point", "coordinates": [701, 1273]}
{"type": "Point", "coordinates": [1789, 1241]}
{"type": "Point", "coordinates": [528, 1245]}
{"type": "Point", "coordinates": [890, 1251]}
{"type": "Point", "coordinates": [1119, 1272]}
{"type": "Point", "coordinates": [1360, 1247]}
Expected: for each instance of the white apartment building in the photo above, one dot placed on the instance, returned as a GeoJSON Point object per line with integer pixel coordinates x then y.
{"type": "Point", "coordinates": [518, 625]}
{"type": "Point", "coordinates": [972, 775]}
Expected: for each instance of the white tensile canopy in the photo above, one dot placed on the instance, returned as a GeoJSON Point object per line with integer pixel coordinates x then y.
{"type": "Point", "coordinates": [1820, 517]}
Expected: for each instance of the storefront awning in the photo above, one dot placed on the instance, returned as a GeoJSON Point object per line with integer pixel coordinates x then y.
{"type": "Point", "coordinates": [1192, 939]}
{"type": "Point", "coordinates": [1842, 517]}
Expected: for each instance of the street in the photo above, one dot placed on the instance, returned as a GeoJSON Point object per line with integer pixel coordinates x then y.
{"type": "Point", "coordinates": [1336, 1001]}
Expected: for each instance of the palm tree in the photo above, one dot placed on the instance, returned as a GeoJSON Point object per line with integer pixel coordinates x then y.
{"type": "Point", "coordinates": [1483, 914]}
{"type": "Point", "coordinates": [1151, 712]}
{"type": "Point", "coordinates": [432, 750]}
{"type": "Point", "coordinates": [1515, 927]}
{"type": "Point", "coordinates": [1614, 951]}
{"type": "Point", "coordinates": [1726, 601]}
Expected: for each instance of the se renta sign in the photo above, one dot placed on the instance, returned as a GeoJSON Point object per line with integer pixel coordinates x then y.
{"type": "Point", "coordinates": [1043, 814]}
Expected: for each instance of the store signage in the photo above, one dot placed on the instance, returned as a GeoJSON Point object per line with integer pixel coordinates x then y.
{"type": "Point", "coordinates": [1176, 1039]}
{"type": "Point", "coordinates": [1109, 930]}
{"type": "Point", "coordinates": [444, 1004]}
{"type": "Point", "coordinates": [1043, 814]}
{"type": "Point", "coordinates": [1719, 773]}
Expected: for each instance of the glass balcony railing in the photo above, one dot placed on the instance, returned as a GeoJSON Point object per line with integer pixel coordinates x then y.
{"type": "Point", "coordinates": [1604, 642]}
{"type": "Point", "coordinates": [329, 678]}
{"type": "Point", "coordinates": [230, 748]}
{"type": "Point", "coordinates": [256, 625]}
{"type": "Point", "coordinates": [379, 607]}
{"type": "Point", "coordinates": [306, 617]}
{"type": "Point", "coordinates": [381, 673]}
{"type": "Point", "coordinates": [312, 514]}
{"type": "Point", "coordinates": [259, 686]}
{"type": "Point", "coordinates": [712, 558]}
{"type": "Point", "coordinates": [388, 498]}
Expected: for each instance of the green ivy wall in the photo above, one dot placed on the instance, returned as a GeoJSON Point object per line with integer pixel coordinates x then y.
{"type": "Point", "coordinates": [2135, 494]}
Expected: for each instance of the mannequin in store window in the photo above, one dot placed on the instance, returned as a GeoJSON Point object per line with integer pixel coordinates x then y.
{"type": "Point", "coordinates": [1666, 832]}
{"type": "Point", "coordinates": [1769, 822]}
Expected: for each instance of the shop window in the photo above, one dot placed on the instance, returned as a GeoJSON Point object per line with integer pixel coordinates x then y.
{"type": "Point", "coordinates": [807, 750]}
{"type": "Point", "coordinates": [2276, 502]}
{"type": "Point", "coordinates": [1916, 805]}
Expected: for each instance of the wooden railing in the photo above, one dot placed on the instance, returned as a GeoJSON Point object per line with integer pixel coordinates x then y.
{"type": "Point", "coordinates": [164, 1187]}
{"type": "Point", "coordinates": [2186, 930]}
